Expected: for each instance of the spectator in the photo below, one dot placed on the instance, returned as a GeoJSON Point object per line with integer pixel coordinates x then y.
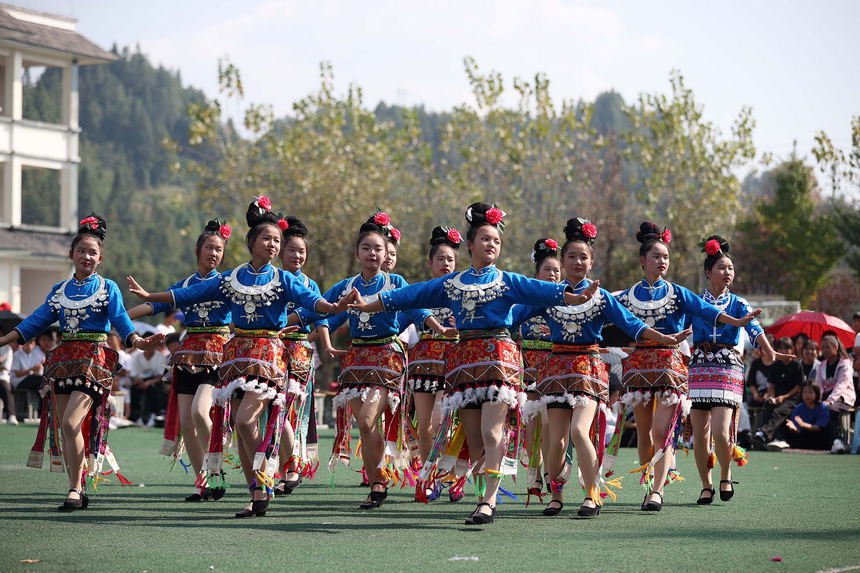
{"type": "Point", "coordinates": [612, 414]}
{"type": "Point", "coordinates": [806, 428]}
{"type": "Point", "coordinates": [836, 386]}
{"type": "Point", "coordinates": [167, 324]}
{"type": "Point", "coordinates": [28, 366]}
{"type": "Point", "coordinates": [798, 342]}
{"type": "Point", "coordinates": [784, 382]}
{"type": "Point", "coordinates": [171, 342]}
{"type": "Point", "coordinates": [148, 396]}
{"type": "Point", "coordinates": [6, 384]}
{"type": "Point", "coordinates": [757, 377]}
{"type": "Point", "coordinates": [809, 360]}
{"type": "Point", "coordinates": [122, 379]}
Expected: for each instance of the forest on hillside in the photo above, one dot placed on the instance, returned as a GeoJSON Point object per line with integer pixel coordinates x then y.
{"type": "Point", "coordinates": [159, 159]}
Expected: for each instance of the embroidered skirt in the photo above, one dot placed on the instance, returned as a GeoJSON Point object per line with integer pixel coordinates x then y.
{"type": "Point", "coordinates": [535, 352]}
{"type": "Point", "coordinates": [655, 370]}
{"type": "Point", "coordinates": [300, 359]}
{"type": "Point", "coordinates": [573, 375]}
{"type": "Point", "coordinates": [254, 361]}
{"type": "Point", "coordinates": [367, 367]}
{"type": "Point", "coordinates": [716, 377]}
{"type": "Point", "coordinates": [201, 349]}
{"type": "Point", "coordinates": [426, 370]}
{"type": "Point", "coordinates": [484, 366]}
{"type": "Point", "coordinates": [82, 363]}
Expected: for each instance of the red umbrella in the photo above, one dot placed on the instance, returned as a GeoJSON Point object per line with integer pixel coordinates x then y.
{"type": "Point", "coordinates": [814, 325]}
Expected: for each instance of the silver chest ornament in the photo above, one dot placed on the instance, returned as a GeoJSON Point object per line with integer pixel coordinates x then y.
{"type": "Point", "coordinates": [77, 311]}
{"type": "Point", "coordinates": [202, 309]}
{"type": "Point", "coordinates": [365, 317]}
{"type": "Point", "coordinates": [251, 297]}
{"type": "Point", "coordinates": [651, 311]}
{"type": "Point", "coordinates": [474, 295]}
{"type": "Point", "coordinates": [571, 318]}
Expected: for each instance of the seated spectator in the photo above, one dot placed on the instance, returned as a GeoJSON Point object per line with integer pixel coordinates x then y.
{"type": "Point", "coordinates": [836, 386]}
{"type": "Point", "coordinates": [806, 428]}
{"type": "Point", "coordinates": [798, 342]}
{"type": "Point", "coordinates": [6, 384]}
{"type": "Point", "coordinates": [757, 375]}
{"type": "Point", "coordinates": [28, 366]}
{"type": "Point", "coordinates": [784, 382]}
{"type": "Point", "coordinates": [122, 379]}
{"type": "Point", "coordinates": [148, 390]}
{"type": "Point", "coordinates": [171, 342]}
{"type": "Point", "coordinates": [809, 361]}
{"type": "Point", "coordinates": [168, 323]}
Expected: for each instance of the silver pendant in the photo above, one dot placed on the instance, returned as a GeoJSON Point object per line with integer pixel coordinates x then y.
{"type": "Point", "coordinates": [250, 307]}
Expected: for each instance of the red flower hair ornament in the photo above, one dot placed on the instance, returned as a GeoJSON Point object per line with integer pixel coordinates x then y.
{"type": "Point", "coordinates": [454, 236]}
{"type": "Point", "coordinates": [553, 245]}
{"type": "Point", "coordinates": [90, 222]}
{"type": "Point", "coordinates": [395, 234]}
{"type": "Point", "coordinates": [225, 231]}
{"type": "Point", "coordinates": [589, 230]}
{"type": "Point", "coordinates": [712, 247]}
{"type": "Point", "coordinates": [494, 215]}
{"type": "Point", "coordinates": [263, 203]}
{"type": "Point", "coordinates": [283, 225]}
{"type": "Point", "coordinates": [666, 237]}
{"type": "Point", "coordinates": [382, 219]}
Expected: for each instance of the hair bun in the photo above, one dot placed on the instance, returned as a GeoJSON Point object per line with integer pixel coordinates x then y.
{"type": "Point", "coordinates": [296, 227]}
{"type": "Point", "coordinates": [478, 214]}
{"type": "Point", "coordinates": [381, 223]}
{"type": "Point", "coordinates": [259, 212]}
{"type": "Point", "coordinates": [647, 231]}
{"type": "Point", "coordinates": [93, 225]}
{"type": "Point", "coordinates": [445, 236]}
{"type": "Point", "coordinates": [544, 247]}
{"type": "Point", "coordinates": [580, 230]}
{"type": "Point", "coordinates": [213, 226]}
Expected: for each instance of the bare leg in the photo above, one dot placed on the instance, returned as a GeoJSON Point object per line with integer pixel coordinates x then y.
{"type": "Point", "coordinates": [72, 415]}
{"type": "Point", "coordinates": [367, 415]}
{"type": "Point", "coordinates": [701, 422]}
{"type": "Point", "coordinates": [248, 411]}
{"type": "Point", "coordinates": [493, 417]}
{"type": "Point", "coordinates": [471, 420]}
{"type": "Point", "coordinates": [200, 408]}
{"type": "Point", "coordinates": [559, 434]}
{"type": "Point", "coordinates": [544, 445]}
{"type": "Point", "coordinates": [721, 420]}
{"type": "Point", "coordinates": [586, 455]}
{"type": "Point", "coordinates": [660, 429]}
{"type": "Point", "coordinates": [286, 450]}
{"type": "Point", "coordinates": [643, 413]}
{"type": "Point", "coordinates": [427, 412]}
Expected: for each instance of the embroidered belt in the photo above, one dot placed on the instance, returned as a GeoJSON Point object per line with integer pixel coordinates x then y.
{"type": "Point", "coordinates": [295, 336]}
{"type": "Point", "coordinates": [376, 341]}
{"type": "Point", "coordinates": [575, 349]}
{"type": "Point", "coordinates": [256, 333]}
{"type": "Point", "coordinates": [85, 336]}
{"type": "Point", "coordinates": [489, 333]}
{"type": "Point", "coordinates": [710, 346]}
{"type": "Point", "coordinates": [208, 329]}
{"type": "Point", "coordinates": [537, 344]}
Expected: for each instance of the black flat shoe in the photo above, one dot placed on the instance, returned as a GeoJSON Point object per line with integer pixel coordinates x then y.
{"type": "Point", "coordinates": [706, 500]}
{"type": "Point", "coordinates": [482, 518]}
{"type": "Point", "coordinates": [376, 498]}
{"type": "Point", "coordinates": [258, 507]}
{"type": "Point", "coordinates": [194, 498]}
{"type": "Point", "coordinates": [587, 510]}
{"type": "Point", "coordinates": [281, 489]}
{"type": "Point", "coordinates": [550, 510]}
{"type": "Point", "coordinates": [71, 504]}
{"type": "Point", "coordinates": [655, 505]}
{"type": "Point", "coordinates": [217, 492]}
{"type": "Point", "coordinates": [644, 503]}
{"type": "Point", "coordinates": [727, 495]}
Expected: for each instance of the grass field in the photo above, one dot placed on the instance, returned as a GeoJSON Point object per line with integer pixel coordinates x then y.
{"type": "Point", "coordinates": [804, 509]}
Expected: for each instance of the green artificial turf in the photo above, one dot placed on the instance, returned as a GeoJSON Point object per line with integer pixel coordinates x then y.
{"type": "Point", "coordinates": [804, 509]}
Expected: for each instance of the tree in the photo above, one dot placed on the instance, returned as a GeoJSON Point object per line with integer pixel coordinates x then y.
{"type": "Point", "coordinates": [787, 232]}
{"type": "Point", "coordinates": [686, 177]}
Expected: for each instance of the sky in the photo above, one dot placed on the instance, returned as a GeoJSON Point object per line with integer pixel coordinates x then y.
{"type": "Point", "coordinates": [795, 63]}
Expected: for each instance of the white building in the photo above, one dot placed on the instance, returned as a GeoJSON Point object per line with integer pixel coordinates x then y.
{"type": "Point", "coordinates": [34, 257]}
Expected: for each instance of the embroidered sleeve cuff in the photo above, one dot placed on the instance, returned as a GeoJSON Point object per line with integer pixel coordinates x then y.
{"type": "Point", "coordinates": [383, 300]}
{"type": "Point", "coordinates": [640, 331]}
{"type": "Point", "coordinates": [21, 339]}
{"type": "Point", "coordinates": [128, 343]}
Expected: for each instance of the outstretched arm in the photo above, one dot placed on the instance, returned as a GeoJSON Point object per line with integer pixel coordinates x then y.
{"type": "Point", "coordinates": [574, 299]}
{"type": "Point", "coordinates": [667, 339]}
{"type": "Point", "coordinates": [739, 322]}
{"type": "Point", "coordinates": [768, 354]}
{"type": "Point", "coordinates": [142, 294]}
